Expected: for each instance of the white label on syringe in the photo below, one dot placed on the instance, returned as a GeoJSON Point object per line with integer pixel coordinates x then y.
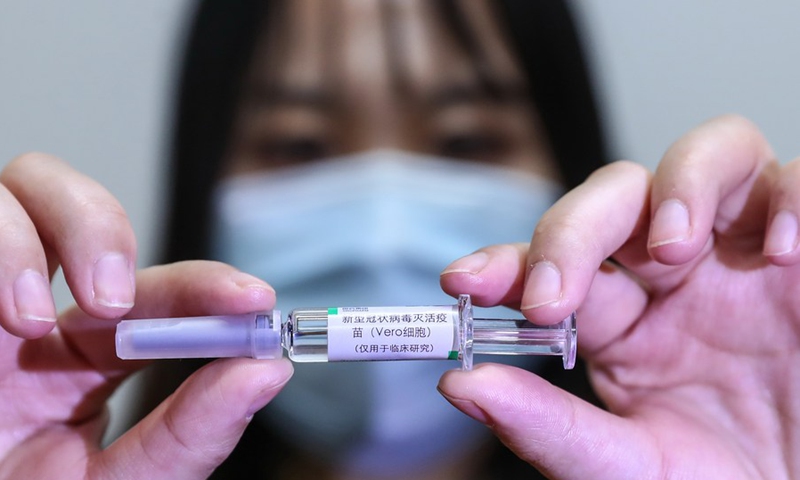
{"type": "Point", "coordinates": [391, 333]}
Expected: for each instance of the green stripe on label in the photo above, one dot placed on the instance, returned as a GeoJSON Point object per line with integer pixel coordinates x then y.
{"type": "Point", "coordinates": [453, 355]}
{"type": "Point", "coordinates": [333, 311]}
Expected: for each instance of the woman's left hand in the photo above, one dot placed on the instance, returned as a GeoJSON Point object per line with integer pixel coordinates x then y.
{"type": "Point", "coordinates": [691, 337]}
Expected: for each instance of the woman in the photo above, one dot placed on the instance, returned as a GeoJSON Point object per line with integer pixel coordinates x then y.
{"type": "Point", "coordinates": [690, 334]}
{"type": "Point", "coordinates": [496, 88]}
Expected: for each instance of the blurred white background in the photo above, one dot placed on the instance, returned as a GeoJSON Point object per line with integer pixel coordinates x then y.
{"type": "Point", "coordinates": [91, 80]}
{"type": "Point", "coordinates": [665, 67]}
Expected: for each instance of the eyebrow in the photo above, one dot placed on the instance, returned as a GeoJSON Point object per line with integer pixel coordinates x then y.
{"type": "Point", "coordinates": [471, 93]}
{"type": "Point", "coordinates": [263, 96]}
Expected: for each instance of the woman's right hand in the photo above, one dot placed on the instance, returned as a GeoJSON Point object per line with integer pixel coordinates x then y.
{"type": "Point", "coordinates": [57, 371]}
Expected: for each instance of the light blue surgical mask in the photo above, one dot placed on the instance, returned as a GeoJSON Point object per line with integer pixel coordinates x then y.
{"type": "Point", "coordinates": [372, 229]}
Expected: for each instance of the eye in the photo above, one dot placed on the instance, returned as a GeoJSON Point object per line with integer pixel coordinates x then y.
{"type": "Point", "coordinates": [471, 146]}
{"type": "Point", "coordinates": [291, 150]}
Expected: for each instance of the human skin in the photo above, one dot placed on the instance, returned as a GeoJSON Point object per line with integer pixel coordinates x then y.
{"type": "Point", "coordinates": [323, 82]}
{"type": "Point", "coordinates": [690, 335]}
{"type": "Point", "coordinates": [57, 371]}
{"type": "Point", "coordinates": [77, 224]}
{"type": "Point", "coordinates": [690, 338]}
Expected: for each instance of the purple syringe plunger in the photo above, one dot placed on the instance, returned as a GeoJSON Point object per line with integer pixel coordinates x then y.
{"type": "Point", "coordinates": [256, 335]}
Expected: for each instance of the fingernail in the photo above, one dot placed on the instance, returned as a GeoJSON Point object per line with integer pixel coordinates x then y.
{"type": "Point", "coordinates": [470, 408]}
{"type": "Point", "coordinates": [32, 297]}
{"type": "Point", "coordinates": [472, 264]}
{"type": "Point", "coordinates": [782, 234]}
{"type": "Point", "coordinates": [113, 281]}
{"type": "Point", "coordinates": [670, 224]}
{"type": "Point", "coordinates": [543, 286]}
{"type": "Point", "coordinates": [246, 281]}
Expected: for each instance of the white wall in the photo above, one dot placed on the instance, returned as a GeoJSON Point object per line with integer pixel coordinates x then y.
{"type": "Point", "coordinates": [666, 66]}
{"type": "Point", "coordinates": [89, 80]}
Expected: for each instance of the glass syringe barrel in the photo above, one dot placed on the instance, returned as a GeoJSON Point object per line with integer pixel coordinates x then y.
{"type": "Point", "coordinates": [256, 335]}
{"type": "Point", "coordinates": [348, 334]}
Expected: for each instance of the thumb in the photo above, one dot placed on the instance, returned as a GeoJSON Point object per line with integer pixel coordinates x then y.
{"type": "Point", "coordinates": [197, 427]}
{"type": "Point", "coordinates": [559, 434]}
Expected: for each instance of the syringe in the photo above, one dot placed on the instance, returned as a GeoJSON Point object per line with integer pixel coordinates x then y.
{"type": "Point", "coordinates": [348, 334]}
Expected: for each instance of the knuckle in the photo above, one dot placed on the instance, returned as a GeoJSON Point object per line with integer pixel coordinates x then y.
{"type": "Point", "coordinates": [790, 172]}
{"type": "Point", "coordinates": [738, 122]}
{"type": "Point", "coordinates": [726, 133]}
{"type": "Point", "coordinates": [93, 216]}
{"type": "Point", "coordinates": [103, 209]}
{"type": "Point", "coordinates": [785, 184]}
{"type": "Point", "coordinates": [114, 221]}
{"type": "Point", "coordinates": [28, 160]}
{"type": "Point", "coordinates": [748, 131]}
{"type": "Point", "coordinates": [565, 230]}
{"type": "Point", "coordinates": [621, 169]}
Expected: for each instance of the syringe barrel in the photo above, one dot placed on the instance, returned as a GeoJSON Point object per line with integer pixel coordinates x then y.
{"type": "Point", "coordinates": [255, 335]}
{"type": "Point", "coordinates": [306, 335]}
{"type": "Point", "coordinates": [347, 334]}
{"type": "Point", "coordinates": [520, 337]}
{"type": "Point", "coordinates": [340, 334]}
{"type": "Point", "coordinates": [497, 336]}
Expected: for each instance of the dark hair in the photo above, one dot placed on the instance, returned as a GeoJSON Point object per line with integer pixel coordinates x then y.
{"type": "Point", "coordinates": [219, 46]}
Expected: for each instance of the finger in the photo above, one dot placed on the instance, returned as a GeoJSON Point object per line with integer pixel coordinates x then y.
{"type": "Point", "coordinates": [781, 241]}
{"type": "Point", "coordinates": [561, 435]}
{"type": "Point", "coordinates": [199, 287]}
{"type": "Point", "coordinates": [722, 172]}
{"type": "Point", "coordinates": [27, 308]}
{"type": "Point", "coordinates": [84, 225]}
{"type": "Point", "coordinates": [616, 300]}
{"type": "Point", "coordinates": [197, 427]}
{"type": "Point", "coordinates": [493, 275]}
{"type": "Point", "coordinates": [85, 347]}
{"type": "Point", "coordinates": [577, 234]}
{"type": "Point", "coordinates": [714, 178]}
{"type": "Point", "coordinates": [574, 238]}
{"type": "Point", "coordinates": [177, 290]}
{"type": "Point", "coordinates": [571, 241]}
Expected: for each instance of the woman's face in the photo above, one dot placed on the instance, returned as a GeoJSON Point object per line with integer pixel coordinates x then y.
{"type": "Point", "coordinates": [332, 77]}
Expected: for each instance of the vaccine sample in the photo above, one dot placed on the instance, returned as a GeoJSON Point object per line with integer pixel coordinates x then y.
{"type": "Point", "coordinates": [337, 334]}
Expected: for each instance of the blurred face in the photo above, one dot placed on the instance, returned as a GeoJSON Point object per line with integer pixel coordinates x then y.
{"type": "Point", "coordinates": [337, 77]}
{"type": "Point", "coordinates": [332, 77]}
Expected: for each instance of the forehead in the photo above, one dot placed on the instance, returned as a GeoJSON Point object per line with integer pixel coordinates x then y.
{"type": "Point", "coordinates": [363, 48]}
